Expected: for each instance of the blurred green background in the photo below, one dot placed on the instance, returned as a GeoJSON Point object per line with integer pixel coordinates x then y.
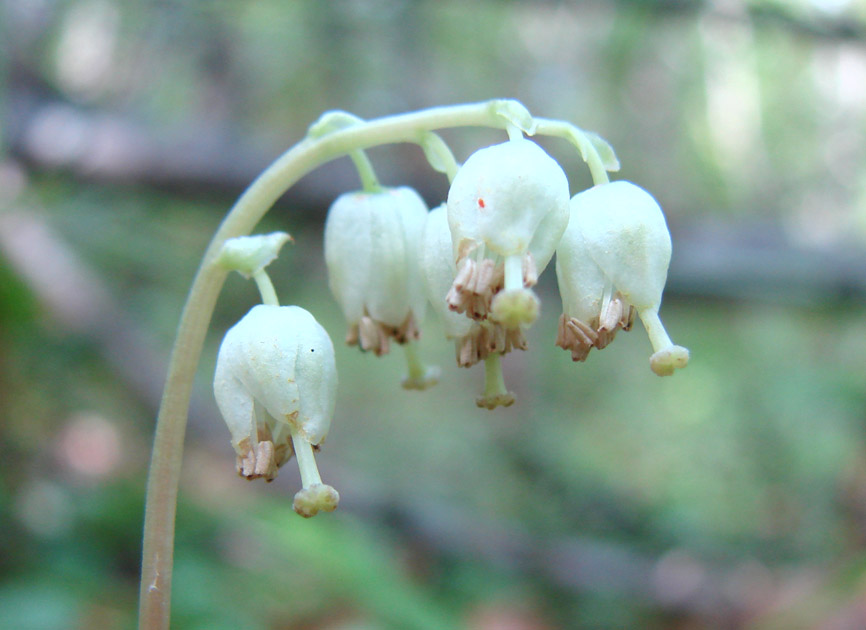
{"type": "Point", "coordinates": [732, 495]}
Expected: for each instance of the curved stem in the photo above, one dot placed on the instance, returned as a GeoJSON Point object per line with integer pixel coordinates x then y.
{"type": "Point", "coordinates": [369, 181]}
{"type": "Point", "coordinates": [514, 133]}
{"type": "Point", "coordinates": [438, 154]}
{"type": "Point", "coordinates": [165, 467]}
{"type": "Point", "coordinates": [266, 288]}
{"type": "Point", "coordinates": [579, 139]}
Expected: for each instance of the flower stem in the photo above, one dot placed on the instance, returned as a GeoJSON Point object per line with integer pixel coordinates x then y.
{"type": "Point", "coordinates": [166, 460]}
{"type": "Point", "coordinates": [514, 133]}
{"type": "Point", "coordinates": [369, 181]}
{"type": "Point", "coordinates": [266, 288]}
{"type": "Point", "coordinates": [579, 139]}
{"type": "Point", "coordinates": [438, 154]}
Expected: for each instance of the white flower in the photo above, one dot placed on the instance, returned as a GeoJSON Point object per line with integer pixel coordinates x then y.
{"type": "Point", "coordinates": [614, 255]}
{"type": "Point", "coordinates": [438, 270]}
{"type": "Point", "coordinates": [507, 209]}
{"type": "Point", "coordinates": [275, 385]}
{"type": "Point", "coordinates": [474, 341]}
{"type": "Point", "coordinates": [371, 250]}
{"type": "Point", "coordinates": [592, 312]}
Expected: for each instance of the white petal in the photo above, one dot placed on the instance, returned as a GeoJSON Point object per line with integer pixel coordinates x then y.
{"type": "Point", "coordinates": [371, 249]}
{"type": "Point", "coordinates": [509, 196]}
{"type": "Point", "coordinates": [581, 282]}
{"type": "Point", "coordinates": [437, 262]}
{"type": "Point", "coordinates": [280, 357]}
{"type": "Point", "coordinates": [347, 252]}
{"type": "Point", "coordinates": [235, 403]}
{"type": "Point", "coordinates": [626, 234]}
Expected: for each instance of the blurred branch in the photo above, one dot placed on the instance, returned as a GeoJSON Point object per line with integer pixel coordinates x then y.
{"type": "Point", "coordinates": [755, 262]}
{"type": "Point", "coordinates": [770, 15]}
{"type": "Point", "coordinates": [51, 134]}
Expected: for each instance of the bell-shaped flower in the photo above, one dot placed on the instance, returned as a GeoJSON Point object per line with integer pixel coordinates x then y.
{"type": "Point", "coordinates": [507, 209]}
{"type": "Point", "coordinates": [614, 256]}
{"type": "Point", "coordinates": [474, 340]}
{"type": "Point", "coordinates": [275, 386]}
{"type": "Point", "coordinates": [371, 250]}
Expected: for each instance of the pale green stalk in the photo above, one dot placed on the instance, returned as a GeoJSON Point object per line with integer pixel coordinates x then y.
{"type": "Point", "coordinates": [580, 139]}
{"type": "Point", "coordinates": [438, 154]}
{"type": "Point", "coordinates": [164, 475]}
{"type": "Point", "coordinates": [369, 181]}
{"type": "Point", "coordinates": [266, 288]}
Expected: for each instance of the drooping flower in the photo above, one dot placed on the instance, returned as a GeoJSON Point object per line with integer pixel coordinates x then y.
{"type": "Point", "coordinates": [474, 340]}
{"type": "Point", "coordinates": [507, 209]}
{"type": "Point", "coordinates": [613, 256]}
{"type": "Point", "coordinates": [371, 250]}
{"type": "Point", "coordinates": [275, 385]}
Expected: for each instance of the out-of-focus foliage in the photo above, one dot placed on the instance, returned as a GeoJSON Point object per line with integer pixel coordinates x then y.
{"type": "Point", "coordinates": [730, 495]}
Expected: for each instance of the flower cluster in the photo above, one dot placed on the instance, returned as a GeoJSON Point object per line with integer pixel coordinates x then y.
{"type": "Point", "coordinates": [475, 259]}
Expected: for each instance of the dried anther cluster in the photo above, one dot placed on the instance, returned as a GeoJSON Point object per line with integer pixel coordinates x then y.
{"type": "Point", "coordinates": [580, 337]}
{"type": "Point", "coordinates": [373, 335]}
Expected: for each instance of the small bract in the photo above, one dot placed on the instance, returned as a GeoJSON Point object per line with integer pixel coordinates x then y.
{"type": "Point", "coordinates": [507, 209]}
{"type": "Point", "coordinates": [615, 255]}
{"type": "Point", "coordinates": [372, 241]}
{"type": "Point", "coordinates": [249, 255]}
{"type": "Point", "coordinates": [275, 386]}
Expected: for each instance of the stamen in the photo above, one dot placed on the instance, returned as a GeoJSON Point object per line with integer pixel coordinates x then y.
{"type": "Point", "coordinates": [530, 271]}
{"type": "Point", "coordinates": [258, 458]}
{"type": "Point", "coordinates": [576, 336]}
{"type": "Point", "coordinates": [474, 286]}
